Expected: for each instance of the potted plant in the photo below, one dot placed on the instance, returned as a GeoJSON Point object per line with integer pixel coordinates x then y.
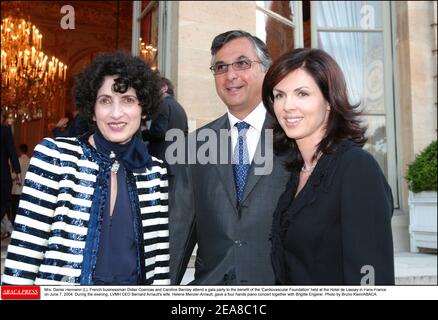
{"type": "Point", "coordinates": [422, 183]}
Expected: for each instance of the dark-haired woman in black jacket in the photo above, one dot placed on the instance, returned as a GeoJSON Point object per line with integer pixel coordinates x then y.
{"type": "Point", "coordinates": [332, 225]}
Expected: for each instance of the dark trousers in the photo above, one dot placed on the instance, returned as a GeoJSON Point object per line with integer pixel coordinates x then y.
{"type": "Point", "coordinates": [14, 208]}
{"type": "Point", "coordinates": [5, 199]}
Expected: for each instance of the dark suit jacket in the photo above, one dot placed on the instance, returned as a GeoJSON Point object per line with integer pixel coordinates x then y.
{"type": "Point", "coordinates": [171, 115]}
{"type": "Point", "coordinates": [8, 152]}
{"type": "Point", "coordinates": [233, 243]}
{"type": "Point", "coordinates": [78, 126]}
{"type": "Point", "coordinates": [339, 223]}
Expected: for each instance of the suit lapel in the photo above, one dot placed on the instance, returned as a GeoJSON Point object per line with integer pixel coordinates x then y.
{"type": "Point", "coordinates": [267, 149]}
{"type": "Point", "coordinates": [225, 171]}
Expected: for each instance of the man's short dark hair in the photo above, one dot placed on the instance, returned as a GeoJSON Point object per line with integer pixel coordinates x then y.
{"type": "Point", "coordinates": [260, 47]}
{"type": "Point", "coordinates": [166, 82]}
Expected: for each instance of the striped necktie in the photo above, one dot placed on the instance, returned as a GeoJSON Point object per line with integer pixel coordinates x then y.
{"type": "Point", "coordinates": [241, 162]}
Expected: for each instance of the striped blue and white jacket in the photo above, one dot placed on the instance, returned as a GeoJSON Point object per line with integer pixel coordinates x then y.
{"type": "Point", "coordinates": [57, 227]}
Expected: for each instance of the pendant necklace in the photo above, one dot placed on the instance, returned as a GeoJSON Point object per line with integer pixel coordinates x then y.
{"type": "Point", "coordinates": [115, 166]}
{"type": "Point", "coordinates": [310, 169]}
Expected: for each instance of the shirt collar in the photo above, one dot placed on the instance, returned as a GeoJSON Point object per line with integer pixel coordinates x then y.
{"type": "Point", "coordinates": [255, 119]}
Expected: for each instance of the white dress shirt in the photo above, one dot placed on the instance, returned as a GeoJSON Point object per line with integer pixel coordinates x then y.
{"type": "Point", "coordinates": [255, 119]}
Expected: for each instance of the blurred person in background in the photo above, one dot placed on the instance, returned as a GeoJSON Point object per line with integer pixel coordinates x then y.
{"type": "Point", "coordinates": [170, 115]}
{"type": "Point", "coordinates": [17, 188]}
{"type": "Point", "coordinates": [8, 155]}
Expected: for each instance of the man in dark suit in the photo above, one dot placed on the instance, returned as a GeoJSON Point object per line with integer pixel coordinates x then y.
{"type": "Point", "coordinates": [71, 126]}
{"type": "Point", "coordinates": [171, 115]}
{"type": "Point", "coordinates": [8, 153]}
{"type": "Point", "coordinates": [233, 200]}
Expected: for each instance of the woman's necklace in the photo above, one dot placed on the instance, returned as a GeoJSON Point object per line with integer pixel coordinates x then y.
{"type": "Point", "coordinates": [310, 169]}
{"type": "Point", "coordinates": [115, 166]}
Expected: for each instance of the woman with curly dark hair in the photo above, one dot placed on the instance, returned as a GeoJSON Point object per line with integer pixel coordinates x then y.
{"type": "Point", "coordinates": [93, 210]}
{"type": "Point", "coordinates": [332, 224]}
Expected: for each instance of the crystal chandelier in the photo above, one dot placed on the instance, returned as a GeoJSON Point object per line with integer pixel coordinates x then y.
{"type": "Point", "coordinates": [30, 81]}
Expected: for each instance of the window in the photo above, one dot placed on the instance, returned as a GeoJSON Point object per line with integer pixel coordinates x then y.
{"type": "Point", "coordinates": [277, 23]}
{"type": "Point", "coordinates": [145, 31]}
{"type": "Point", "coordinates": [358, 35]}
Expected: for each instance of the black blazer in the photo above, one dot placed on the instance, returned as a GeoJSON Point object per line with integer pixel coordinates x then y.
{"type": "Point", "coordinates": [78, 126]}
{"type": "Point", "coordinates": [171, 115]}
{"type": "Point", "coordinates": [337, 231]}
{"type": "Point", "coordinates": [7, 153]}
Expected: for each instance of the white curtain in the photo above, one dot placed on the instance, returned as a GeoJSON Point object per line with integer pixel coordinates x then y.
{"type": "Point", "coordinates": [360, 56]}
{"type": "Point", "coordinates": [348, 48]}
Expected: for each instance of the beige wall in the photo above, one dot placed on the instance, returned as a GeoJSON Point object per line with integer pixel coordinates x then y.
{"type": "Point", "coordinates": [416, 113]}
{"type": "Point", "coordinates": [423, 69]}
{"type": "Point", "coordinates": [405, 109]}
{"type": "Point", "coordinates": [198, 23]}
{"type": "Point", "coordinates": [435, 53]}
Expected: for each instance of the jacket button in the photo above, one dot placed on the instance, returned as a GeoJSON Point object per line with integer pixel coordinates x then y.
{"type": "Point", "coordinates": [239, 243]}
